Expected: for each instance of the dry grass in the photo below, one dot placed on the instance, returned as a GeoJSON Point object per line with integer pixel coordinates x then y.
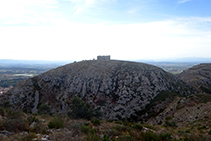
{"type": "Point", "coordinates": [80, 130]}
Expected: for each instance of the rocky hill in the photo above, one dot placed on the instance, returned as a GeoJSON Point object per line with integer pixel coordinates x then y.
{"type": "Point", "coordinates": [198, 77]}
{"type": "Point", "coordinates": [119, 89]}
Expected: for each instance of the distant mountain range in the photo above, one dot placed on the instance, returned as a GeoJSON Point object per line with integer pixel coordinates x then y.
{"type": "Point", "coordinates": [63, 62]}
{"type": "Point", "coordinates": [10, 62]}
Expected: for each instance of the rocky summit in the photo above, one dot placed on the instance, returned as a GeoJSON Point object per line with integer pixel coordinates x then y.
{"type": "Point", "coordinates": [119, 89]}
{"type": "Point", "coordinates": [199, 77]}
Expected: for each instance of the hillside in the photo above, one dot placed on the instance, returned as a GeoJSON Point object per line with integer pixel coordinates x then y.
{"type": "Point", "coordinates": [119, 89]}
{"type": "Point", "coordinates": [198, 76]}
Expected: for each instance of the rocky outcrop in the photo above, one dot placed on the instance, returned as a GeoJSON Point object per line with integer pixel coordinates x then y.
{"type": "Point", "coordinates": [198, 77]}
{"type": "Point", "coordinates": [119, 89]}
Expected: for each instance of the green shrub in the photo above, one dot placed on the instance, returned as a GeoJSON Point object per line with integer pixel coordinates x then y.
{"type": "Point", "coordinates": [122, 128]}
{"type": "Point", "coordinates": [95, 121]}
{"type": "Point", "coordinates": [80, 109]}
{"type": "Point", "coordinates": [56, 122]}
{"type": "Point", "coordinates": [85, 129]}
{"type": "Point", "coordinates": [202, 127]}
{"type": "Point", "coordinates": [138, 127]}
{"type": "Point", "coordinates": [13, 114]}
{"type": "Point", "coordinates": [14, 125]}
{"type": "Point", "coordinates": [171, 124]}
{"type": "Point", "coordinates": [165, 136]}
{"type": "Point", "coordinates": [209, 132]}
{"type": "Point", "coordinates": [6, 104]}
{"type": "Point", "coordinates": [187, 131]}
{"type": "Point", "coordinates": [75, 125]}
{"type": "Point", "coordinates": [2, 111]}
{"type": "Point", "coordinates": [29, 137]}
{"type": "Point", "coordinates": [32, 119]}
{"type": "Point", "coordinates": [39, 129]}
{"type": "Point", "coordinates": [126, 138]}
{"type": "Point", "coordinates": [206, 116]}
{"type": "Point", "coordinates": [111, 132]}
{"type": "Point", "coordinates": [169, 118]}
{"type": "Point", "coordinates": [149, 136]}
{"type": "Point", "coordinates": [118, 127]}
{"type": "Point", "coordinates": [44, 109]}
{"type": "Point", "coordinates": [93, 137]}
{"type": "Point", "coordinates": [159, 123]}
{"type": "Point", "coordinates": [105, 138]}
{"type": "Point", "coordinates": [181, 131]}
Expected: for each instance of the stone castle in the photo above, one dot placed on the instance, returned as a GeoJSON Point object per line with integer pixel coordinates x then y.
{"type": "Point", "coordinates": [104, 57]}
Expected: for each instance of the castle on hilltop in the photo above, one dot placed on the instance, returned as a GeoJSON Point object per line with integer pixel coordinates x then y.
{"type": "Point", "coordinates": [104, 57]}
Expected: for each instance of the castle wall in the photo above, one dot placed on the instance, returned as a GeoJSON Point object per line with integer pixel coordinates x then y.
{"type": "Point", "coordinates": [103, 57]}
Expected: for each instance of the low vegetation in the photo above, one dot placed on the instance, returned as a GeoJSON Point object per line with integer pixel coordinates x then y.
{"type": "Point", "coordinates": [57, 122]}
{"type": "Point", "coordinates": [80, 109]}
{"type": "Point", "coordinates": [16, 125]}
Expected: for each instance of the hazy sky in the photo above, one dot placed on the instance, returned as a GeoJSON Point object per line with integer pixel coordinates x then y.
{"type": "Point", "coordinates": [124, 29]}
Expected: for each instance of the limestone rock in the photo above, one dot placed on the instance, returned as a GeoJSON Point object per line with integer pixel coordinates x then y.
{"type": "Point", "coordinates": [199, 77]}
{"type": "Point", "coordinates": [119, 88]}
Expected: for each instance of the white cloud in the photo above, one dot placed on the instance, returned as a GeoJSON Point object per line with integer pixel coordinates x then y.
{"type": "Point", "coordinates": [133, 10]}
{"type": "Point", "coordinates": [89, 5]}
{"type": "Point", "coordinates": [163, 39]}
{"type": "Point", "coordinates": [89, 2]}
{"type": "Point", "coordinates": [77, 10]}
{"type": "Point", "coordinates": [24, 11]}
{"type": "Point", "coordinates": [183, 1]}
{"type": "Point", "coordinates": [80, 5]}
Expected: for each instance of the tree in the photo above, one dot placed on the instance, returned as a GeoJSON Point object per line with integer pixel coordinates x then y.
{"type": "Point", "coordinates": [80, 109]}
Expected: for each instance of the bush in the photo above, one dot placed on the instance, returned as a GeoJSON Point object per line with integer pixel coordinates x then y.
{"type": "Point", "coordinates": [32, 119]}
{"type": "Point", "coordinates": [149, 136]}
{"type": "Point", "coordinates": [56, 122]}
{"type": "Point", "coordinates": [6, 104]}
{"type": "Point", "coordinates": [85, 129]}
{"type": "Point", "coordinates": [138, 127]}
{"type": "Point", "coordinates": [111, 132]}
{"type": "Point", "coordinates": [44, 109]}
{"type": "Point", "coordinates": [93, 137]}
{"type": "Point", "coordinates": [14, 125]}
{"type": "Point", "coordinates": [2, 111]}
{"type": "Point", "coordinates": [165, 136]}
{"type": "Point", "coordinates": [75, 125]}
{"type": "Point", "coordinates": [171, 124]}
{"type": "Point", "coordinates": [29, 137]}
{"type": "Point", "coordinates": [95, 121]}
{"type": "Point", "coordinates": [105, 138]}
{"type": "Point", "coordinates": [80, 109]}
{"type": "Point", "coordinates": [39, 129]}
{"type": "Point", "coordinates": [202, 127]}
{"type": "Point", "coordinates": [187, 131]}
{"type": "Point", "coordinates": [209, 132]}
{"type": "Point", "coordinates": [122, 128]}
{"type": "Point", "coordinates": [13, 114]}
{"type": "Point", "coordinates": [126, 138]}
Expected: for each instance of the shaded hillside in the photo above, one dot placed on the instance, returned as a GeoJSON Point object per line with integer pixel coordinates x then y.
{"type": "Point", "coordinates": [119, 89]}
{"type": "Point", "coordinates": [198, 76]}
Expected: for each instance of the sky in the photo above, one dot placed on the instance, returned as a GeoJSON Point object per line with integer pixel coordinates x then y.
{"type": "Point", "coordinates": [124, 29]}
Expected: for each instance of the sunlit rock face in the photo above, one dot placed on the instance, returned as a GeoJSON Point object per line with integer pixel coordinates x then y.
{"type": "Point", "coordinates": [119, 89]}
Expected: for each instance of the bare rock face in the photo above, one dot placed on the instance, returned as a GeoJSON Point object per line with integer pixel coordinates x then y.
{"type": "Point", "coordinates": [119, 89]}
{"type": "Point", "coordinates": [199, 77]}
